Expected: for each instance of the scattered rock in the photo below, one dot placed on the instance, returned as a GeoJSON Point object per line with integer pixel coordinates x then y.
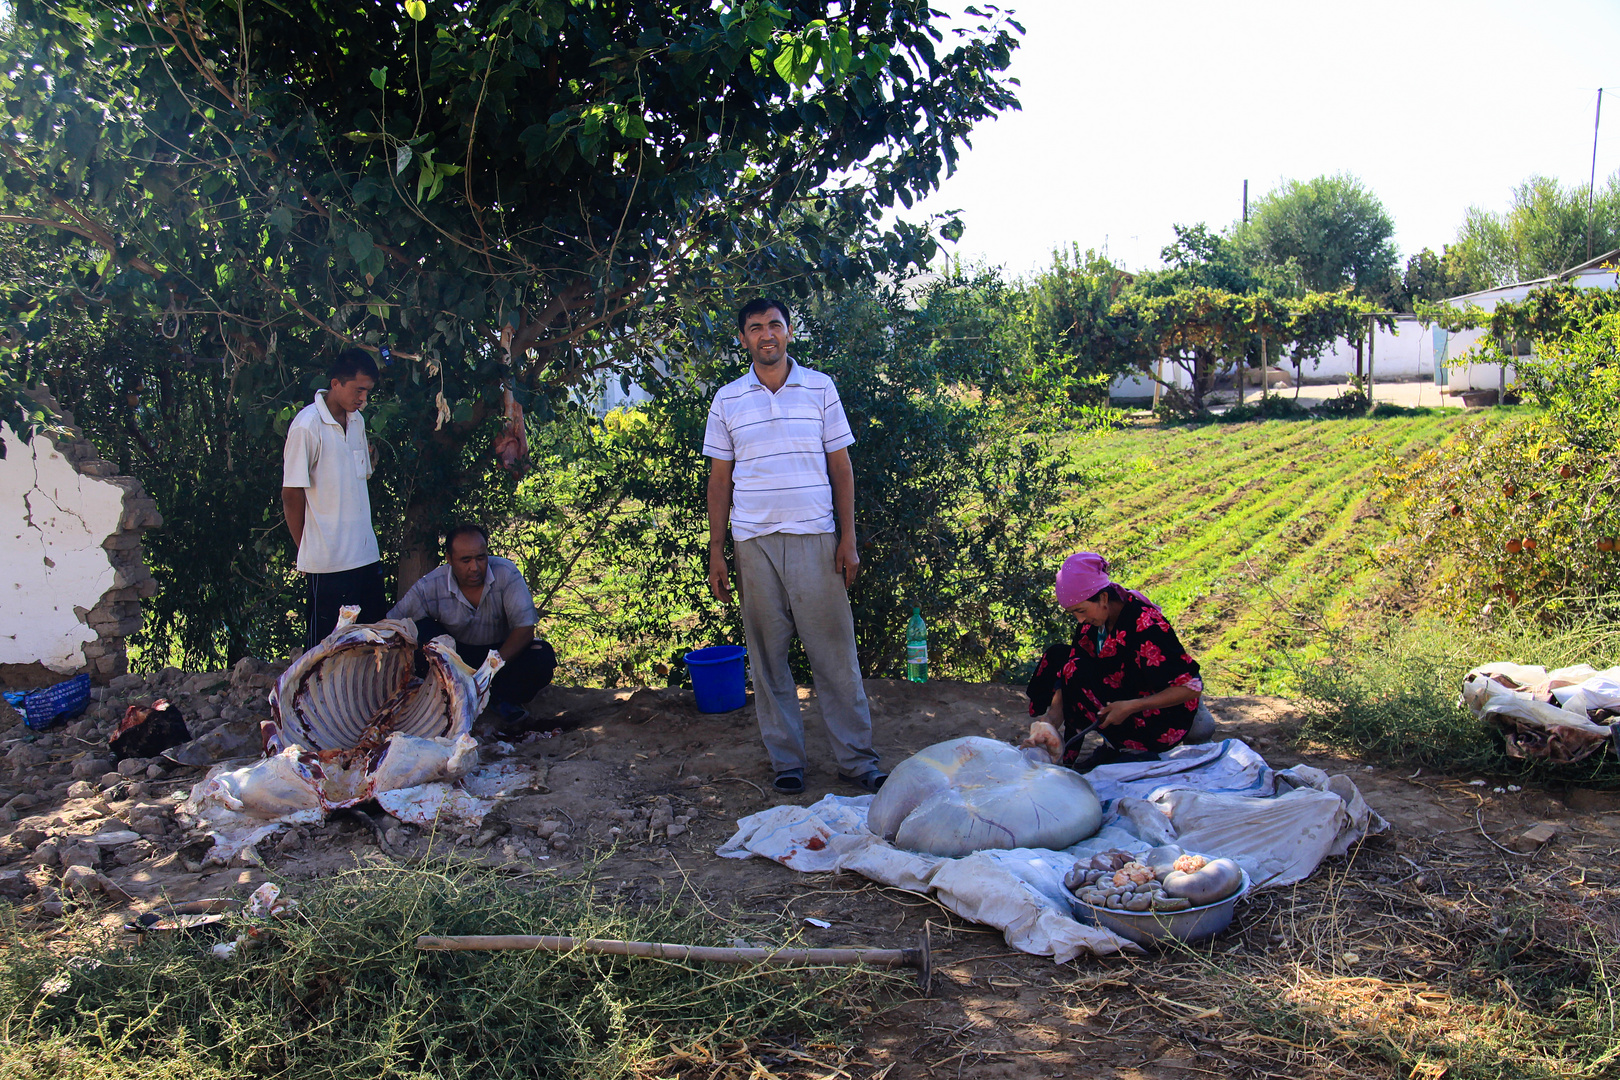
{"type": "Point", "coordinates": [15, 885]}
{"type": "Point", "coordinates": [663, 816]}
{"type": "Point", "coordinates": [22, 801]}
{"type": "Point", "coordinates": [547, 828]}
{"type": "Point", "coordinates": [81, 854]}
{"type": "Point", "coordinates": [133, 766]}
{"type": "Point", "coordinates": [89, 767]}
{"type": "Point", "coordinates": [114, 838]}
{"type": "Point", "coordinates": [111, 780]}
{"type": "Point", "coordinates": [46, 854]}
{"type": "Point", "coordinates": [124, 683]}
{"type": "Point", "coordinates": [25, 756]}
{"type": "Point", "coordinates": [80, 881]}
{"type": "Point", "coordinates": [675, 830]}
{"type": "Point", "coordinates": [231, 739]}
{"type": "Point", "coordinates": [28, 838]}
{"type": "Point", "coordinates": [559, 841]}
{"type": "Point", "coordinates": [81, 789]}
{"type": "Point", "coordinates": [139, 851]}
{"type": "Point", "coordinates": [291, 840]}
{"type": "Point", "coordinates": [156, 772]}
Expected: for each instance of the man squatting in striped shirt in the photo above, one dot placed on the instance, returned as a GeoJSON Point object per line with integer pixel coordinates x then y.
{"type": "Point", "coordinates": [778, 448]}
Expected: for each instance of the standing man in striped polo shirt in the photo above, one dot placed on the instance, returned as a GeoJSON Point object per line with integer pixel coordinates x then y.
{"type": "Point", "coordinates": [778, 448]}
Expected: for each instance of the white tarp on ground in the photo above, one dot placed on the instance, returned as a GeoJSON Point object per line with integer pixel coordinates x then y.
{"type": "Point", "coordinates": [1218, 799]}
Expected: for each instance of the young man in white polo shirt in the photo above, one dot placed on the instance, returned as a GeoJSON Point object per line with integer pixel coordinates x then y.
{"type": "Point", "coordinates": [324, 469]}
{"type": "Point", "coordinates": [778, 448]}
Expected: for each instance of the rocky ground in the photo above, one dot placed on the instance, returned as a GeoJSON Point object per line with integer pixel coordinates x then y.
{"type": "Point", "coordinates": [638, 789]}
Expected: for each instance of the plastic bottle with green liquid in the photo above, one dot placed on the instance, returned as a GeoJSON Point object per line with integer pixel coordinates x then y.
{"type": "Point", "coordinates": [917, 647]}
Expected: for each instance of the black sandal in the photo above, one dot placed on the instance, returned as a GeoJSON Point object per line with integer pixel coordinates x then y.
{"type": "Point", "coordinates": [790, 782]}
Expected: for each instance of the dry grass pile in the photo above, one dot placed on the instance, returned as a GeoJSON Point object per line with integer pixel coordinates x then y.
{"type": "Point", "coordinates": [1393, 966]}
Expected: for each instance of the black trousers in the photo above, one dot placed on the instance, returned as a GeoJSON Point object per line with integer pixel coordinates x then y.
{"type": "Point", "coordinates": [519, 679]}
{"type": "Point", "coordinates": [328, 592]}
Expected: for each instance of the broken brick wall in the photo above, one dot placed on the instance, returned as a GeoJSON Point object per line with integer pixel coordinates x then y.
{"type": "Point", "coordinates": [70, 539]}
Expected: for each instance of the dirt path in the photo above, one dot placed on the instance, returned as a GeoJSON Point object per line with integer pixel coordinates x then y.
{"type": "Point", "coordinates": [1412, 909]}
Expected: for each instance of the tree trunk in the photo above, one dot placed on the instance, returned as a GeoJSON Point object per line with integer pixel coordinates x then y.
{"type": "Point", "coordinates": [1358, 359]}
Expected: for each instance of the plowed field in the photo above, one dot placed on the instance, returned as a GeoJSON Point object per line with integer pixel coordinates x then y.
{"type": "Point", "coordinates": [1255, 538]}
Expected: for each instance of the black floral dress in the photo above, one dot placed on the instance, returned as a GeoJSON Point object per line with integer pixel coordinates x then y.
{"type": "Point", "coordinates": [1140, 658]}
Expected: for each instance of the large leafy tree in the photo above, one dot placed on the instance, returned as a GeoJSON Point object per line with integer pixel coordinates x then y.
{"type": "Point", "coordinates": [499, 193]}
{"type": "Point", "coordinates": [1542, 233]}
{"type": "Point", "coordinates": [1332, 231]}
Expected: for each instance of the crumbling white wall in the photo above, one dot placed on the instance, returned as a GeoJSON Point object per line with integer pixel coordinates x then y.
{"type": "Point", "coordinates": [70, 544]}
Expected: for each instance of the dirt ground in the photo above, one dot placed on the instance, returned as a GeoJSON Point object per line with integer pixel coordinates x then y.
{"type": "Point", "coordinates": [645, 787]}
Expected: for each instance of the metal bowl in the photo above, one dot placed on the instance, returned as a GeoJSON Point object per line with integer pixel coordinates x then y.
{"type": "Point", "coordinates": [1150, 927]}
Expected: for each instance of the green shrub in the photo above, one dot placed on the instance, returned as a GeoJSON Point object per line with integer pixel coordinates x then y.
{"type": "Point", "coordinates": [1527, 511]}
{"type": "Point", "coordinates": [960, 502]}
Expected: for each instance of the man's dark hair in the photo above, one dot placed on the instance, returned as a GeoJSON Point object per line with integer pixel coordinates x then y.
{"type": "Point", "coordinates": [352, 362]}
{"type": "Point", "coordinates": [759, 307]}
{"type": "Point", "coordinates": [466, 529]}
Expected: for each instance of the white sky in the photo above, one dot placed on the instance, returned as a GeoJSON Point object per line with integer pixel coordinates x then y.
{"type": "Point", "coordinates": [1138, 116]}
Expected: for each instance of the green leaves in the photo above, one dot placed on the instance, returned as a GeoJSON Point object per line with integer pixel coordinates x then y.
{"type": "Point", "coordinates": [360, 245]}
{"type": "Point", "coordinates": [379, 77]}
{"type": "Point", "coordinates": [416, 9]}
{"type": "Point", "coordinates": [430, 176]}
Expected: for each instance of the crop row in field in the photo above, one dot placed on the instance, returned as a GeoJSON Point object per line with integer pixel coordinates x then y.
{"type": "Point", "coordinates": [1256, 539]}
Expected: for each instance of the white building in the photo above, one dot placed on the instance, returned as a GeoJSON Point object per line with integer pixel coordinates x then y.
{"type": "Point", "coordinates": [1455, 349]}
{"type": "Point", "coordinates": [1412, 350]}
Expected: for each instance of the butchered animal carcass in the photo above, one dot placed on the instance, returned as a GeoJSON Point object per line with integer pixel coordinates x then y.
{"type": "Point", "coordinates": [352, 722]}
{"type": "Point", "coordinates": [971, 794]}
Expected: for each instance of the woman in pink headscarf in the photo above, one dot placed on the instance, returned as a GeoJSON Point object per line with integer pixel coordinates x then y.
{"type": "Point", "coordinates": [1125, 670]}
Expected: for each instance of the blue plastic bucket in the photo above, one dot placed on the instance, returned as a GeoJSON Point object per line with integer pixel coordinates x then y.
{"type": "Point", "coordinates": [717, 677]}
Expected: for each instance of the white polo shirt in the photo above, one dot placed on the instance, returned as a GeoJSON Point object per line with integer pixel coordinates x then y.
{"type": "Point", "coordinates": [332, 466]}
{"type": "Point", "coordinates": [779, 445]}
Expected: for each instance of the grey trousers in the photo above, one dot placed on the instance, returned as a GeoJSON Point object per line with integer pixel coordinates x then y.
{"type": "Point", "coordinates": [788, 584]}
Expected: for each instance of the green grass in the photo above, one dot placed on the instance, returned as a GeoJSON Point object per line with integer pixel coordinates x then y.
{"type": "Point", "coordinates": [1255, 538]}
{"type": "Point", "coordinates": [341, 992]}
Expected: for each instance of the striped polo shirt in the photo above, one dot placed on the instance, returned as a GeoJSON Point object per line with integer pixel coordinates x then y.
{"type": "Point", "coordinates": [779, 445]}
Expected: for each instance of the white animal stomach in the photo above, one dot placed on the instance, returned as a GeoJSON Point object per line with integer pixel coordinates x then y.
{"type": "Point", "coordinates": [967, 795]}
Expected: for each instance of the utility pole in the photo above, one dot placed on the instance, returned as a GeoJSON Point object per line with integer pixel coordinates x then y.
{"type": "Point", "coordinates": [1590, 184]}
{"type": "Point", "coordinates": [1246, 183]}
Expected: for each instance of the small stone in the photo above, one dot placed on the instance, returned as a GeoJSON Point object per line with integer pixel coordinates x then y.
{"type": "Point", "coordinates": [88, 768]}
{"type": "Point", "coordinates": [22, 801]}
{"type": "Point", "coordinates": [559, 841]}
{"type": "Point", "coordinates": [156, 772]}
{"type": "Point", "coordinates": [15, 884]}
{"type": "Point", "coordinates": [25, 756]}
{"type": "Point", "coordinates": [81, 854]}
{"type": "Point", "coordinates": [394, 838]}
{"type": "Point", "coordinates": [291, 840]}
{"type": "Point", "coordinates": [692, 781]}
{"type": "Point", "coordinates": [135, 791]}
{"type": "Point", "coordinates": [130, 854]}
{"type": "Point", "coordinates": [28, 838]}
{"type": "Point", "coordinates": [48, 853]}
{"type": "Point", "coordinates": [133, 766]}
{"type": "Point", "coordinates": [114, 838]}
{"type": "Point", "coordinates": [675, 830]}
{"type": "Point", "coordinates": [710, 801]}
{"type": "Point", "coordinates": [546, 828]}
{"type": "Point", "coordinates": [111, 780]}
{"type": "Point", "coordinates": [80, 881]}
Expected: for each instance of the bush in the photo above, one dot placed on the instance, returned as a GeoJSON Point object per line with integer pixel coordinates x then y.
{"type": "Point", "coordinates": [1525, 511]}
{"type": "Point", "coordinates": [959, 502]}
